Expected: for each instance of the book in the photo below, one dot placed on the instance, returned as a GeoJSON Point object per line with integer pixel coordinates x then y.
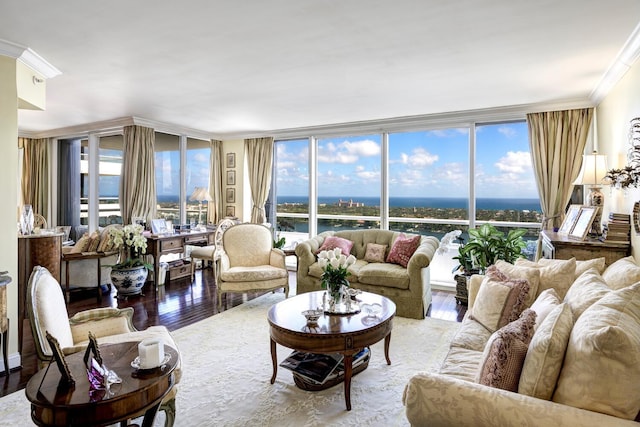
{"type": "Point", "coordinates": [312, 366]}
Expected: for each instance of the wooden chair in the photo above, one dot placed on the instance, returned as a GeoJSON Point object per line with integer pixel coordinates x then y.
{"type": "Point", "coordinates": [211, 253]}
{"type": "Point", "coordinates": [39, 221]}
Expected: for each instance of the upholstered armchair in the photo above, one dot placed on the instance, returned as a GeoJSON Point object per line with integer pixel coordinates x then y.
{"type": "Point", "coordinates": [211, 253]}
{"type": "Point", "coordinates": [249, 262]}
{"type": "Point", "coordinates": [47, 312]}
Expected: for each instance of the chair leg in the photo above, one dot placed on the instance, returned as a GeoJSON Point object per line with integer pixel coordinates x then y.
{"type": "Point", "coordinates": [169, 409]}
{"type": "Point", "coordinates": [5, 357]}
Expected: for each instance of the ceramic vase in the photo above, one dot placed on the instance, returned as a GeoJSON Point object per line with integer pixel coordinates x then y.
{"type": "Point", "coordinates": [129, 281]}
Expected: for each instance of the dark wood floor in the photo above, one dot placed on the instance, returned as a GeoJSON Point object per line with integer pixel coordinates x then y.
{"type": "Point", "coordinates": [175, 305]}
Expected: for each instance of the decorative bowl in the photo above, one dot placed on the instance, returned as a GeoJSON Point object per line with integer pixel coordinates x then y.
{"type": "Point", "coordinates": [312, 315]}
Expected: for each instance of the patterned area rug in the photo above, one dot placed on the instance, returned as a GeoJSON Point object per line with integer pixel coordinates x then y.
{"type": "Point", "coordinates": [227, 368]}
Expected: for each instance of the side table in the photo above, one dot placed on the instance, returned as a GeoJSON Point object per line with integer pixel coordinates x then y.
{"type": "Point", "coordinates": [4, 320]}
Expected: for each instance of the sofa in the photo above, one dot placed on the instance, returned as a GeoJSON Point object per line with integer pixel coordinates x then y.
{"type": "Point", "coordinates": [573, 358]}
{"type": "Point", "coordinates": [407, 285]}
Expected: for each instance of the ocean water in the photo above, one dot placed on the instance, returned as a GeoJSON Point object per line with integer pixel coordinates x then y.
{"type": "Point", "coordinates": [428, 202]}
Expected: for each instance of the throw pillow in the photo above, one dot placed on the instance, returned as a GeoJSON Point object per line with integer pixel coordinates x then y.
{"type": "Point", "coordinates": [558, 275]}
{"type": "Point", "coordinates": [402, 250]}
{"type": "Point", "coordinates": [622, 273]}
{"type": "Point", "coordinates": [93, 242]}
{"type": "Point", "coordinates": [601, 369]}
{"type": "Point", "coordinates": [530, 274]}
{"type": "Point", "coordinates": [375, 252]}
{"type": "Point", "coordinates": [81, 245]}
{"type": "Point", "coordinates": [546, 353]}
{"type": "Point", "coordinates": [332, 242]}
{"type": "Point", "coordinates": [546, 301]}
{"type": "Point", "coordinates": [505, 352]}
{"type": "Point", "coordinates": [586, 290]}
{"type": "Point", "coordinates": [581, 265]}
{"type": "Point", "coordinates": [500, 300]}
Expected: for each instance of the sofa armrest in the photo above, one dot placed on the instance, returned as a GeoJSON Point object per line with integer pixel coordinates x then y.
{"type": "Point", "coordinates": [423, 255]}
{"type": "Point", "coordinates": [277, 258]}
{"type": "Point", "coordinates": [101, 322]}
{"type": "Point", "coordinates": [439, 400]}
{"type": "Point", "coordinates": [306, 251]}
{"type": "Point", "coordinates": [473, 286]}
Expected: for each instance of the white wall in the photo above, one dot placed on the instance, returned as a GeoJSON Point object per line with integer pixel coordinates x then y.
{"type": "Point", "coordinates": [613, 120]}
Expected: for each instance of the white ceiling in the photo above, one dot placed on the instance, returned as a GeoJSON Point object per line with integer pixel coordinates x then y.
{"type": "Point", "coordinates": [234, 67]}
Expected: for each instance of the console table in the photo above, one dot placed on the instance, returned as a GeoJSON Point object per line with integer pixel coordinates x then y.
{"type": "Point", "coordinates": [158, 245]}
{"type": "Point", "coordinates": [559, 246]}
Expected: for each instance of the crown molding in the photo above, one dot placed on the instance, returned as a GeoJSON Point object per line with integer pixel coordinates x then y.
{"type": "Point", "coordinates": [625, 59]}
{"type": "Point", "coordinates": [29, 58]}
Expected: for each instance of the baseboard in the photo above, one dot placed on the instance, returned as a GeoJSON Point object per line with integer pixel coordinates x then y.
{"type": "Point", "coordinates": [15, 361]}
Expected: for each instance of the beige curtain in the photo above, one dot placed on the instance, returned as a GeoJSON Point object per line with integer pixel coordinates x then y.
{"type": "Point", "coordinates": [214, 208]}
{"type": "Point", "coordinates": [259, 159]}
{"type": "Point", "coordinates": [557, 140]}
{"type": "Point", "coordinates": [35, 174]}
{"type": "Point", "coordinates": [138, 178]}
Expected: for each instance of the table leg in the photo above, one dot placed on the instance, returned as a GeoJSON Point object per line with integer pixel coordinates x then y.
{"type": "Point", "coordinates": [99, 281]}
{"type": "Point", "coordinates": [150, 415]}
{"type": "Point", "coordinates": [274, 360]}
{"type": "Point", "coordinates": [5, 340]}
{"type": "Point", "coordinates": [66, 281]}
{"type": "Point", "coordinates": [387, 340]}
{"type": "Point", "coordinates": [348, 371]}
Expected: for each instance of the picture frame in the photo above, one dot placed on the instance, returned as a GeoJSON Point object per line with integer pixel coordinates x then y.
{"type": "Point", "coordinates": [231, 160]}
{"type": "Point", "coordinates": [61, 362]}
{"type": "Point", "coordinates": [231, 177]}
{"type": "Point", "coordinates": [159, 226]}
{"type": "Point", "coordinates": [583, 222]}
{"type": "Point", "coordinates": [92, 347]}
{"type": "Point", "coordinates": [231, 195]}
{"type": "Point", "coordinates": [231, 211]}
{"type": "Point", "coordinates": [569, 219]}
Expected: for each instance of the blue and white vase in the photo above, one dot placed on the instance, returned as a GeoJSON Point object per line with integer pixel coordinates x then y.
{"type": "Point", "coordinates": [129, 281]}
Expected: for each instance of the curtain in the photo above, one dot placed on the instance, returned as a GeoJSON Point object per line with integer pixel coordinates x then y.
{"type": "Point", "coordinates": [259, 159]}
{"type": "Point", "coordinates": [214, 208]}
{"type": "Point", "coordinates": [69, 182]}
{"type": "Point", "coordinates": [138, 177]}
{"type": "Point", "coordinates": [35, 174]}
{"type": "Point", "coordinates": [557, 140]}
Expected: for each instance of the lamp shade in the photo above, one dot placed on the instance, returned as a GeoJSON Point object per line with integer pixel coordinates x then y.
{"type": "Point", "coordinates": [200, 194]}
{"type": "Point", "coordinates": [594, 169]}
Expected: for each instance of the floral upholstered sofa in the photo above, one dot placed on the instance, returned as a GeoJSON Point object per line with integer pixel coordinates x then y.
{"type": "Point", "coordinates": [571, 359]}
{"type": "Point", "coordinates": [388, 263]}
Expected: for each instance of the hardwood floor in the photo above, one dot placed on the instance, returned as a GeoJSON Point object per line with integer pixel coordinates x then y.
{"type": "Point", "coordinates": [175, 305]}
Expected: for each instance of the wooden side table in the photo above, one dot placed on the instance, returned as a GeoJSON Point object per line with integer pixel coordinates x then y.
{"type": "Point", "coordinates": [557, 246]}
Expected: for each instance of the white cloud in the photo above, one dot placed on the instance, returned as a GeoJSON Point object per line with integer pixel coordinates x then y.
{"type": "Point", "coordinates": [419, 158]}
{"type": "Point", "coordinates": [507, 131]}
{"type": "Point", "coordinates": [347, 152]}
{"type": "Point", "coordinates": [515, 162]}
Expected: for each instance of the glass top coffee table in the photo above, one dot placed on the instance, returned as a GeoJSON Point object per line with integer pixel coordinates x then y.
{"type": "Point", "coordinates": [333, 333]}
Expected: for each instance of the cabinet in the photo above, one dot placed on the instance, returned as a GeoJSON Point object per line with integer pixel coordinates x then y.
{"type": "Point", "coordinates": [37, 249]}
{"type": "Point", "coordinates": [557, 246]}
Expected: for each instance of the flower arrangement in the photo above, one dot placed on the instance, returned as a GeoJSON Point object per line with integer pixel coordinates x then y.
{"type": "Point", "coordinates": [132, 244]}
{"type": "Point", "coordinates": [335, 264]}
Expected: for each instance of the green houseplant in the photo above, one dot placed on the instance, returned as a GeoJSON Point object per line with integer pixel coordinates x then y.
{"type": "Point", "coordinates": [486, 245]}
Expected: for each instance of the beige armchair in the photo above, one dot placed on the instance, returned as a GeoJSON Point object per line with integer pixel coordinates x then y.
{"type": "Point", "coordinates": [211, 253]}
{"type": "Point", "coordinates": [249, 262]}
{"type": "Point", "coordinates": [47, 311]}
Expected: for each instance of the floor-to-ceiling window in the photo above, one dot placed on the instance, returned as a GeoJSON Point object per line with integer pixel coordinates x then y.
{"type": "Point", "coordinates": [110, 166]}
{"type": "Point", "coordinates": [167, 163]}
{"type": "Point", "coordinates": [198, 155]}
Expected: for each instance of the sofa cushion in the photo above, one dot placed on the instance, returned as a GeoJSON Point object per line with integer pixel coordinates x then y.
{"type": "Point", "coordinates": [332, 242]}
{"type": "Point", "coordinates": [375, 252]}
{"type": "Point", "coordinates": [581, 265]}
{"type": "Point", "coordinates": [558, 275]}
{"type": "Point", "coordinates": [402, 250]}
{"type": "Point", "coordinates": [622, 273]}
{"type": "Point", "coordinates": [316, 270]}
{"type": "Point", "coordinates": [601, 370]}
{"type": "Point", "coordinates": [383, 274]}
{"type": "Point", "coordinates": [546, 353]}
{"type": "Point", "coordinates": [471, 335]}
{"type": "Point", "coordinates": [505, 352]}
{"type": "Point", "coordinates": [461, 363]}
{"type": "Point", "coordinates": [586, 290]}
{"type": "Point", "coordinates": [500, 300]}
{"type": "Point", "coordinates": [546, 301]}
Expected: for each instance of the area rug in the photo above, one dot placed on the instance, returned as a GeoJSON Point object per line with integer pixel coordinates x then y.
{"type": "Point", "coordinates": [227, 369]}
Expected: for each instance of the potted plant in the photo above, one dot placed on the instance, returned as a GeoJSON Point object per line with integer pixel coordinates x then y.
{"type": "Point", "coordinates": [486, 245]}
{"type": "Point", "coordinates": [130, 273]}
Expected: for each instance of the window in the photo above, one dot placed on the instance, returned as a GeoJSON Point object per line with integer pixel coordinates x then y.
{"type": "Point", "coordinates": [110, 165]}
{"type": "Point", "coordinates": [197, 176]}
{"type": "Point", "coordinates": [167, 163]}
{"type": "Point", "coordinates": [292, 187]}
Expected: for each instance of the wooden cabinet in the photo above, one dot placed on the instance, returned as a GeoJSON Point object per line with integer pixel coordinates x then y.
{"type": "Point", "coordinates": [557, 246]}
{"type": "Point", "coordinates": [37, 249]}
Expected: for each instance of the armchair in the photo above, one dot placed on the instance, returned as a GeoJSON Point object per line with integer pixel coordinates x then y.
{"type": "Point", "coordinates": [249, 262]}
{"type": "Point", "coordinates": [211, 253]}
{"type": "Point", "coordinates": [46, 309]}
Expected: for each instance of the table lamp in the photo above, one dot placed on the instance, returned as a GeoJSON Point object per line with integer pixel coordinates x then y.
{"type": "Point", "coordinates": [200, 194]}
{"type": "Point", "coordinates": [594, 169]}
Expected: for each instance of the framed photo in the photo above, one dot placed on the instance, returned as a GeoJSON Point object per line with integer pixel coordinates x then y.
{"type": "Point", "coordinates": [58, 356]}
{"type": "Point", "coordinates": [583, 222]}
{"type": "Point", "coordinates": [231, 195]}
{"type": "Point", "coordinates": [569, 219]}
{"type": "Point", "coordinates": [231, 160]}
{"type": "Point", "coordinates": [159, 226]}
{"type": "Point", "coordinates": [231, 211]}
{"type": "Point", "coordinates": [231, 177]}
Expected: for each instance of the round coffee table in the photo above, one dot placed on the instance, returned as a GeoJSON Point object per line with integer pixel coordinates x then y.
{"type": "Point", "coordinates": [140, 393]}
{"type": "Point", "coordinates": [333, 333]}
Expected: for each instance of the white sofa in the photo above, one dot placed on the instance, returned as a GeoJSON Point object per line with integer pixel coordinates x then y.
{"type": "Point", "coordinates": [581, 368]}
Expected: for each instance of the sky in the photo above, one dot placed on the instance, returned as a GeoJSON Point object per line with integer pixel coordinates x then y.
{"type": "Point", "coordinates": [431, 163]}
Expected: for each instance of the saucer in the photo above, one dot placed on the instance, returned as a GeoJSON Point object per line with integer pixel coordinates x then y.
{"type": "Point", "coordinates": [135, 363]}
